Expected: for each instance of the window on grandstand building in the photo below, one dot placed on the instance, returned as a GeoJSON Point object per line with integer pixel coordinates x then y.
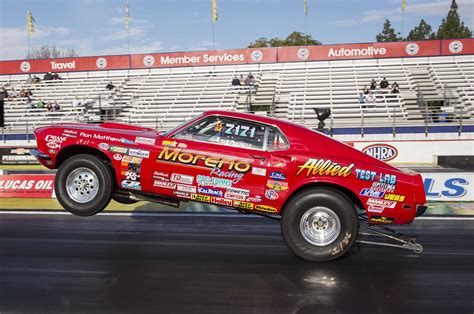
{"type": "Point", "coordinates": [276, 140]}
{"type": "Point", "coordinates": [226, 131]}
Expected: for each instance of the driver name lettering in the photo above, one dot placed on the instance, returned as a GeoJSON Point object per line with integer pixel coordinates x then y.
{"type": "Point", "coordinates": [186, 158]}
{"type": "Point", "coordinates": [325, 167]}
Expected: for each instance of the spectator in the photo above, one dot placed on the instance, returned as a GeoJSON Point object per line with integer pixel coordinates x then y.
{"type": "Point", "coordinates": [371, 98]}
{"type": "Point", "coordinates": [242, 80]}
{"type": "Point", "coordinates": [48, 77]}
{"type": "Point", "coordinates": [395, 88]}
{"type": "Point", "coordinates": [3, 93]}
{"type": "Point", "coordinates": [22, 92]}
{"type": "Point", "coordinates": [55, 76]}
{"type": "Point", "coordinates": [361, 99]}
{"type": "Point", "coordinates": [36, 79]}
{"type": "Point", "coordinates": [30, 104]}
{"type": "Point", "coordinates": [56, 106]}
{"type": "Point", "coordinates": [29, 80]}
{"type": "Point", "coordinates": [49, 106]}
{"type": "Point", "coordinates": [40, 104]}
{"type": "Point", "coordinates": [12, 93]}
{"type": "Point", "coordinates": [365, 90]}
{"type": "Point", "coordinates": [384, 83]}
{"type": "Point", "coordinates": [110, 86]}
{"type": "Point", "coordinates": [76, 103]}
{"type": "Point", "coordinates": [235, 83]}
{"type": "Point", "coordinates": [28, 92]}
{"type": "Point", "coordinates": [373, 84]}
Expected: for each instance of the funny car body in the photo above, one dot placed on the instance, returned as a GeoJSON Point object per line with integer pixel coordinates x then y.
{"type": "Point", "coordinates": [242, 161]}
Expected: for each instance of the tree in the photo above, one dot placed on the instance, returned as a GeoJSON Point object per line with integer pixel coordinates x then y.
{"type": "Point", "coordinates": [421, 32]}
{"type": "Point", "coordinates": [46, 52]}
{"type": "Point", "coordinates": [294, 39]}
{"type": "Point", "coordinates": [452, 26]}
{"type": "Point", "coordinates": [388, 33]}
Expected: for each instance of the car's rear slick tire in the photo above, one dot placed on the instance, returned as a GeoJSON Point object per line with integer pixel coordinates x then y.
{"type": "Point", "coordinates": [84, 185]}
{"type": "Point", "coordinates": [319, 224]}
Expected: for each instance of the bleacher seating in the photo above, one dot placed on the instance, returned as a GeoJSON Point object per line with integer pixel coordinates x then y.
{"type": "Point", "coordinates": [163, 98]}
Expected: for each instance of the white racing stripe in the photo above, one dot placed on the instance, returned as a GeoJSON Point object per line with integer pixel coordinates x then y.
{"type": "Point", "coordinates": [193, 214]}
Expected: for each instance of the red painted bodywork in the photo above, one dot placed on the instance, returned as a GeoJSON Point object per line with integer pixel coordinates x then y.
{"type": "Point", "coordinates": [352, 171]}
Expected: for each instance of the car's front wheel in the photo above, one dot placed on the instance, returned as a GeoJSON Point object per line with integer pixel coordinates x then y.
{"type": "Point", "coordinates": [84, 185]}
{"type": "Point", "coordinates": [319, 224]}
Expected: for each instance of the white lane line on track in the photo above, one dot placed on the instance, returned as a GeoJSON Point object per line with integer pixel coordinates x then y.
{"type": "Point", "coordinates": [193, 214]}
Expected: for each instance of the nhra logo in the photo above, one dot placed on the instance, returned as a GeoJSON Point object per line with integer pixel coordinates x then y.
{"type": "Point", "coordinates": [148, 61]}
{"type": "Point", "coordinates": [302, 53]}
{"type": "Point", "coordinates": [25, 66]}
{"type": "Point", "coordinates": [383, 152]}
{"type": "Point", "coordinates": [412, 49]}
{"type": "Point", "coordinates": [256, 55]}
{"type": "Point", "coordinates": [455, 46]}
{"type": "Point", "coordinates": [101, 63]}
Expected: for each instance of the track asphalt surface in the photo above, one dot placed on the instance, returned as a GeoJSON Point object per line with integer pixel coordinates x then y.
{"type": "Point", "coordinates": [221, 263]}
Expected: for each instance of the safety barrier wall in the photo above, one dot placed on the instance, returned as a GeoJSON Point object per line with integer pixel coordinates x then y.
{"type": "Point", "coordinates": [243, 56]}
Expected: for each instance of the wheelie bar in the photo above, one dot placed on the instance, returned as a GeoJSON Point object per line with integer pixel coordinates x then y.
{"type": "Point", "coordinates": [407, 244]}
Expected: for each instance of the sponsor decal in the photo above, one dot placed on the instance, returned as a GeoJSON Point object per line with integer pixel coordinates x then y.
{"type": "Point", "coordinates": [255, 199]}
{"type": "Point", "coordinates": [212, 181]}
{"type": "Point", "coordinates": [368, 175]}
{"type": "Point", "coordinates": [455, 46]}
{"type": "Point", "coordinates": [181, 178]}
{"type": "Point", "coordinates": [62, 65]}
{"type": "Point", "coordinates": [27, 186]}
{"type": "Point", "coordinates": [118, 157]}
{"type": "Point", "coordinates": [182, 194]}
{"type": "Point", "coordinates": [52, 151]}
{"type": "Point", "coordinates": [53, 145]}
{"type": "Point", "coordinates": [277, 176]}
{"type": "Point", "coordinates": [139, 153]}
{"type": "Point", "coordinates": [221, 201]}
{"type": "Point", "coordinates": [127, 184]}
{"type": "Point", "coordinates": [394, 197]}
{"type": "Point", "coordinates": [53, 141]}
{"type": "Point", "coordinates": [118, 149]}
{"type": "Point", "coordinates": [201, 198]}
{"type": "Point", "coordinates": [383, 152]}
{"type": "Point", "coordinates": [165, 176]}
{"type": "Point", "coordinates": [381, 203]}
{"type": "Point", "coordinates": [70, 133]}
{"type": "Point", "coordinates": [164, 184]}
{"type": "Point", "coordinates": [186, 188]}
{"type": "Point", "coordinates": [265, 208]}
{"type": "Point", "coordinates": [381, 219]}
{"type": "Point", "coordinates": [209, 191]}
{"type": "Point", "coordinates": [234, 175]}
{"type": "Point", "coordinates": [271, 194]}
{"type": "Point", "coordinates": [375, 209]}
{"type": "Point", "coordinates": [277, 185]}
{"type": "Point", "coordinates": [127, 141]}
{"type": "Point", "coordinates": [177, 155]}
{"type": "Point", "coordinates": [169, 143]}
{"type": "Point", "coordinates": [237, 194]}
{"type": "Point", "coordinates": [259, 171]}
{"type": "Point", "coordinates": [384, 187]}
{"type": "Point", "coordinates": [145, 140]}
{"type": "Point", "coordinates": [104, 146]}
{"type": "Point", "coordinates": [132, 176]}
{"type": "Point", "coordinates": [371, 193]}
{"type": "Point", "coordinates": [324, 167]}
{"type": "Point", "coordinates": [131, 160]}
{"type": "Point", "coordinates": [244, 205]}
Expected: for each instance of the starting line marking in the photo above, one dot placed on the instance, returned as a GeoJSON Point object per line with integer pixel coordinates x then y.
{"type": "Point", "coordinates": [192, 214]}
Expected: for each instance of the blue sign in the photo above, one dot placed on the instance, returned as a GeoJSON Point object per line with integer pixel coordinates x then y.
{"type": "Point", "coordinates": [277, 176]}
{"type": "Point", "coordinates": [209, 191]}
{"type": "Point", "coordinates": [372, 193]}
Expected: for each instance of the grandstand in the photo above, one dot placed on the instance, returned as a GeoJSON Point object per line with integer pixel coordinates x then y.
{"type": "Point", "coordinates": [434, 89]}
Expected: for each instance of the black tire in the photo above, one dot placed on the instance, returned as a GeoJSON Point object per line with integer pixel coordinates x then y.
{"type": "Point", "coordinates": [311, 207]}
{"type": "Point", "coordinates": [123, 200]}
{"type": "Point", "coordinates": [82, 174]}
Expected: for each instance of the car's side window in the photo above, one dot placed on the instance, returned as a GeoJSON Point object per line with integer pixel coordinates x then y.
{"type": "Point", "coordinates": [276, 140]}
{"type": "Point", "coordinates": [226, 131]}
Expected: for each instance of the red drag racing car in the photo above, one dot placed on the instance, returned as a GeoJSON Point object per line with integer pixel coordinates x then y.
{"type": "Point", "coordinates": [236, 160]}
